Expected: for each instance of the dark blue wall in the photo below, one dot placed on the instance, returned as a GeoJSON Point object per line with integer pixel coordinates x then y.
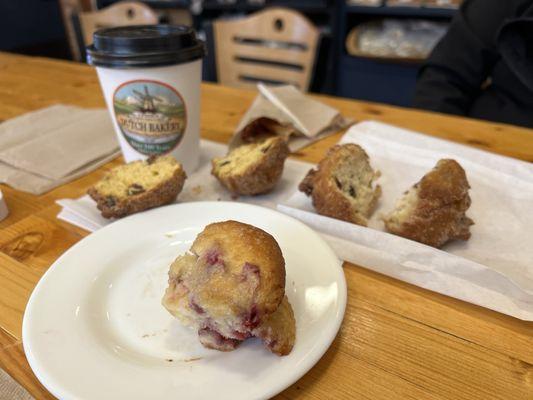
{"type": "Point", "coordinates": [33, 26]}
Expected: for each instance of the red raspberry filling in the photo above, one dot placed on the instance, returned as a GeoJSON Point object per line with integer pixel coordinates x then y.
{"type": "Point", "coordinates": [250, 272]}
{"type": "Point", "coordinates": [214, 340]}
{"type": "Point", "coordinates": [252, 320]}
{"type": "Point", "coordinates": [195, 306]}
{"type": "Point", "coordinates": [213, 257]}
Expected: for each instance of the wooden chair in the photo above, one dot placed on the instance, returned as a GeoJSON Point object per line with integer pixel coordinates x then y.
{"type": "Point", "coordinates": [70, 10]}
{"type": "Point", "coordinates": [275, 46]}
{"type": "Point", "coordinates": [119, 14]}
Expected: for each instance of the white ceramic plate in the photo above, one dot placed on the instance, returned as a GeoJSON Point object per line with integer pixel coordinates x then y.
{"type": "Point", "coordinates": [94, 327]}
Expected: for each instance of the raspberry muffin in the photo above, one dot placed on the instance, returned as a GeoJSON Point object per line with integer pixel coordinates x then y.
{"type": "Point", "coordinates": [231, 286]}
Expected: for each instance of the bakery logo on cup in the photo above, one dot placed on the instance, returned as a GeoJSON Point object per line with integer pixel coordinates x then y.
{"type": "Point", "coordinates": [151, 115]}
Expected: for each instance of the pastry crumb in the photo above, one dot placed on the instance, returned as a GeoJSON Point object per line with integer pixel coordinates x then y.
{"type": "Point", "coordinates": [192, 359]}
{"type": "Point", "coordinates": [197, 190]}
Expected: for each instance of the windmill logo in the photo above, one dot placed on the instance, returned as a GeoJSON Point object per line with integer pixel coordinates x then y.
{"type": "Point", "coordinates": [146, 100]}
{"type": "Point", "coordinates": [151, 115]}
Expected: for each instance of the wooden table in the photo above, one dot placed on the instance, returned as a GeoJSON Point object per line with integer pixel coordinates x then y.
{"type": "Point", "coordinates": [397, 341]}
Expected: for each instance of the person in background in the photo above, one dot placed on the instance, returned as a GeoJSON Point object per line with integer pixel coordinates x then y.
{"type": "Point", "coordinates": [483, 67]}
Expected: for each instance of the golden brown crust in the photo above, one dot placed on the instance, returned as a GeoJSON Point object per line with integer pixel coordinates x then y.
{"type": "Point", "coordinates": [239, 244]}
{"type": "Point", "coordinates": [231, 282]}
{"type": "Point", "coordinates": [438, 214]}
{"type": "Point", "coordinates": [262, 175]}
{"type": "Point", "coordinates": [278, 330]}
{"type": "Point", "coordinates": [118, 207]}
{"type": "Point", "coordinates": [327, 196]}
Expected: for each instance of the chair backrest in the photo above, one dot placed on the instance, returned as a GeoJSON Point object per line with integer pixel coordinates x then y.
{"type": "Point", "coordinates": [276, 45]}
{"type": "Point", "coordinates": [118, 14]}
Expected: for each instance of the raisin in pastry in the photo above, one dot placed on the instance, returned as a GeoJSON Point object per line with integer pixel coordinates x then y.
{"type": "Point", "coordinates": [137, 186]}
{"type": "Point", "coordinates": [433, 210]}
{"type": "Point", "coordinates": [231, 286]}
{"type": "Point", "coordinates": [252, 168]}
{"type": "Point", "coordinates": [343, 185]}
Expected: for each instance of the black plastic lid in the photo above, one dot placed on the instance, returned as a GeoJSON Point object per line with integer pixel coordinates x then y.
{"type": "Point", "coordinates": [138, 46]}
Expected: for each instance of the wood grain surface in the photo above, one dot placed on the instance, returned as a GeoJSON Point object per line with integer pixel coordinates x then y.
{"type": "Point", "coordinates": [397, 341]}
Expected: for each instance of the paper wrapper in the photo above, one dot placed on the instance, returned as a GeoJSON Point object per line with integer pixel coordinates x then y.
{"type": "Point", "coordinates": [285, 111]}
{"type": "Point", "coordinates": [46, 148]}
{"type": "Point", "coordinates": [493, 269]}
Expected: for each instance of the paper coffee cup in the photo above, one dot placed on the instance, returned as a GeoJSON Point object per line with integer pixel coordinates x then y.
{"type": "Point", "coordinates": [150, 76]}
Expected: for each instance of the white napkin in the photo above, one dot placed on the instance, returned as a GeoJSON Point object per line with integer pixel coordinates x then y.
{"type": "Point", "coordinates": [493, 269]}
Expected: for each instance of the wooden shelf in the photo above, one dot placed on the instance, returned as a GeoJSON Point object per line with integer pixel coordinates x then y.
{"type": "Point", "coordinates": [414, 12]}
{"type": "Point", "coordinates": [160, 4]}
{"type": "Point", "coordinates": [300, 5]}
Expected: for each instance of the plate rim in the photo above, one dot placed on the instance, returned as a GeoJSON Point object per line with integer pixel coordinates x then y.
{"type": "Point", "coordinates": [59, 391]}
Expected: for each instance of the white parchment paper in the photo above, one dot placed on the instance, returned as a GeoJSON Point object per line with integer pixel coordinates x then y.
{"type": "Point", "coordinates": [494, 269]}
